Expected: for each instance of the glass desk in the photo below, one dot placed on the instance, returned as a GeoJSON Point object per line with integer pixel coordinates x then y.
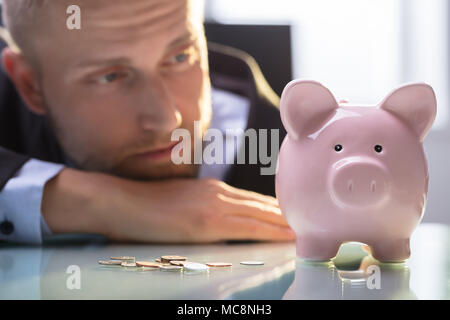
{"type": "Point", "coordinates": [41, 272]}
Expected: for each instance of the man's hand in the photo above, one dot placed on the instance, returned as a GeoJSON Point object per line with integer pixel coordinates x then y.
{"type": "Point", "coordinates": [176, 210]}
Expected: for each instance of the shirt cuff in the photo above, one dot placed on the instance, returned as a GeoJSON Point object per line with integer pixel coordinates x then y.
{"type": "Point", "coordinates": [21, 199]}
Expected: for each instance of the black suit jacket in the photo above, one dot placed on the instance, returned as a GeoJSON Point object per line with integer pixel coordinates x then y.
{"type": "Point", "coordinates": [24, 135]}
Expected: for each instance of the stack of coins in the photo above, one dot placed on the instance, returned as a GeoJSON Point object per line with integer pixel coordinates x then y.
{"type": "Point", "coordinates": [171, 263]}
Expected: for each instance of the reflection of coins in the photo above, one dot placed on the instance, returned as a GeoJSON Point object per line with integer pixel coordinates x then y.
{"type": "Point", "coordinates": [177, 263]}
{"type": "Point", "coordinates": [125, 258]}
{"type": "Point", "coordinates": [145, 269]}
{"type": "Point", "coordinates": [147, 264]}
{"type": "Point", "coordinates": [110, 262]}
{"type": "Point", "coordinates": [172, 258]}
{"type": "Point", "coordinates": [219, 264]}
{"type": "Point", "coordinates": [128, 264]}
{"type": "Point", "coordinates": [252, 263]}
{"type": "Point", "coordinates": [195, 266]}
{"type": "Point", "coordinates": [170, 268]}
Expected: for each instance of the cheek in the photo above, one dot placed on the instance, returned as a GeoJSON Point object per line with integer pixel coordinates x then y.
{"type": "Point", "coordinates": [90, 124]}
{"type": "Point", "coordinates": [190, 96]}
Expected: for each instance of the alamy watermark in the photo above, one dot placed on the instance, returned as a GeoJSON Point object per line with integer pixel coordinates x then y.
{"type": "Point", "coordinates": [213, 152]}
{"type": "Point", "coordinates": [374, 279]}
{"type": "Point", "coordinates": [73, 281]}
{"type": "Point", "coordinates": [73, 21]}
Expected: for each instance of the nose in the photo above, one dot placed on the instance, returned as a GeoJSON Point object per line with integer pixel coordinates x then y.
{"type": "Point", "coordinates": [359, 182]}
{"type": "Point", "coordinates": [159, 111]}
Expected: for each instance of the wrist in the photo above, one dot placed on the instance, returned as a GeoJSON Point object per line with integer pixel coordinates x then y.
{"type": "Point", "coordinates": [74, 202]}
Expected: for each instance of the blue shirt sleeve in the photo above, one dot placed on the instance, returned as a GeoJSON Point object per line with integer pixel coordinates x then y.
{"type": "Point", "coordinates": [20, 202]}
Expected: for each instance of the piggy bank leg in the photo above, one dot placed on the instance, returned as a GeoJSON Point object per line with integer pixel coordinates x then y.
{"type": "Point", "coordinates": [391, 250]}
{"type": "Point", "coordinates": [316, 249]}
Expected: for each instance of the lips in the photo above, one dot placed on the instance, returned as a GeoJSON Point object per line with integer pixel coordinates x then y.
{"type": "Point", "coordinates": [156, 153]}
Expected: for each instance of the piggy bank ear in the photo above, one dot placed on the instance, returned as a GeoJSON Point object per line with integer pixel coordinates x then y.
{"type": "Point", "coordinates": [304, 106]}
{"type": "Point", "coordinates": [415, 104]}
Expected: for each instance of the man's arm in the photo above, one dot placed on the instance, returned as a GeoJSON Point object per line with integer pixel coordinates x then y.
{"type": "Point", "coordinates": [178, 210]}
{"type": "Point", "coordinates": [20, 200]}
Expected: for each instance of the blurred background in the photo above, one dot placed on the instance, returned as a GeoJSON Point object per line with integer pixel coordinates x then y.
{"type": "Point", "coordinates": [360, 49]}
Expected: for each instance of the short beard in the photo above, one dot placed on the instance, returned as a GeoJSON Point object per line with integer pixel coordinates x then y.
{"type": "Point", "coordinates": [91, 164]}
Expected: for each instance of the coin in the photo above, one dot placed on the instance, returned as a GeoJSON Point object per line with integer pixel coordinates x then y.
{"type": "Point", "coordinates": [128, 264]}
{"type": "Point", "coordinates": [172, 258]}
{"type": "Point", "coordinates": [177, 263]}
{"type": "Point", "coordinates": [195, 266]}
{"type": "Point", "coordinates": [219, 264]}
{"type": "Point", "coordinates": [110, 262]}
{"type": "Point", "coordinates": [170, 268]}
{"type": "Point", "coordinates": [123, 258]}
{"type": "Point", "coordinates": [147, 264]}
{"type": "Point", "coordinates": [252, 263]}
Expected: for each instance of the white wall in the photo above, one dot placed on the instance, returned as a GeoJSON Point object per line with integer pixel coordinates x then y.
{"type": "Point", "coordinates": [361, 50]}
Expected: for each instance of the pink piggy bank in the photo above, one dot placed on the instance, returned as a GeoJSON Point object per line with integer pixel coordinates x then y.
{"type": "Point", "coordinates": [353, 173]}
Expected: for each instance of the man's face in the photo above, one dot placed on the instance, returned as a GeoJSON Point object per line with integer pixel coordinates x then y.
{"type": "Point", "coordinates": [116, 89]}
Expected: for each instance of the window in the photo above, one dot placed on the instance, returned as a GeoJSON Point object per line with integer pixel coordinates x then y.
{"type": "Point", "coordinates": [360, 49]}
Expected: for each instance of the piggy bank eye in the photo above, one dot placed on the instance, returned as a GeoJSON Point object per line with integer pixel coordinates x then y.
{"type": "Point", "coordinates": [338, 148]}
{"type": "Point", "coordinates": [378, 148]}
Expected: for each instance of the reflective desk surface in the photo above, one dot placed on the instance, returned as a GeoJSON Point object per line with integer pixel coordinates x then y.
{"type": "Point", "coordinates": [42, 272]}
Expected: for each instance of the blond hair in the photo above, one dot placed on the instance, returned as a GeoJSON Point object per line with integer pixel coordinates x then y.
{"type": "Point", "coordinates": [20, 18]}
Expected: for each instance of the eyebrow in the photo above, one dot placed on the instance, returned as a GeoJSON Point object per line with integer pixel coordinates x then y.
{"type": "Point", "coordinates": [185, 38]}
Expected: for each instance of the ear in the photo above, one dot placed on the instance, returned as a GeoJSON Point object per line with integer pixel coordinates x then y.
{"type": "Point", "coordinates": [304, 106]}
{"type": "Point", "coordinates": [415, 104]}
{"type": "Point", "coordinates": [25, 79]}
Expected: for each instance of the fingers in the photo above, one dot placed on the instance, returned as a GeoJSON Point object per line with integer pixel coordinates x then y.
{"type": "Point", "coordinates": [249, 195]}
{"type": "Point", "coordinates": [256, 210]}
{"type": "Point", "coordinates": [242, 228]}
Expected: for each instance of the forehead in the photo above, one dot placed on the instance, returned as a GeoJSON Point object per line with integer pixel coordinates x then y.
{"type": "Point", "coordinates": [124, 20]}
{"type": "Point", "coordinates": [111, 28]}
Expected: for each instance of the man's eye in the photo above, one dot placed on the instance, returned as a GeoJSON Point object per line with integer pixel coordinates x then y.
{"type": "Point", "coordinates": [108, 78]}
{"type": "Point", "coordinates": [181, 57]}
{"type": "Point", "coordinates": [186, 56]}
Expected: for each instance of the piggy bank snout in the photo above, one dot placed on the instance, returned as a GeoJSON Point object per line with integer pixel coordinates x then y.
{"type": "Point", "coordinates": [359, 182]}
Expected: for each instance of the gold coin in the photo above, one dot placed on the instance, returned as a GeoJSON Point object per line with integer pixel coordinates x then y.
{"type": "Point", "coordinates": [147, 264]}
{"type": "Point", "coordinates": [126, 258]}
{"type": "Point", "coordinates": [170, 268]}
{"type": "Point", "coordinates": [110, 262]}
{"type": "Point", "coordinates": [172, 258]}
{"type": "Point", "coordinates": [219, 264]}
{"type": "Point", "coordinates": [158, 260]}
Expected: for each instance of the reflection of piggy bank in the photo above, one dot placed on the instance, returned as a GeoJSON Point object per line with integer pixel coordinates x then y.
{"type": "Point", "coordinates": [353, 173]}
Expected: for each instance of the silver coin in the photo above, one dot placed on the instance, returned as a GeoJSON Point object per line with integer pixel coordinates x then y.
{"type": "Point", "coordinates": [167, 259]}
{"type": "Point", "coordinates": [170, 268]}
{"type": "Point", "coordinates": [128, 264]}
{"type": "Point", "coordinates": [252, 263]}
{"type": "Point", "coordinates": [125, 258]}
{"type": "Point", "coordinates": [195, 266]}
{"type": "Point", "coordinates": [110, 262]}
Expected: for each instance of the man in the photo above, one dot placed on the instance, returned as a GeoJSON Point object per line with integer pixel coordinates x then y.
{"type": "Point", "coordinates": [94, 153]}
